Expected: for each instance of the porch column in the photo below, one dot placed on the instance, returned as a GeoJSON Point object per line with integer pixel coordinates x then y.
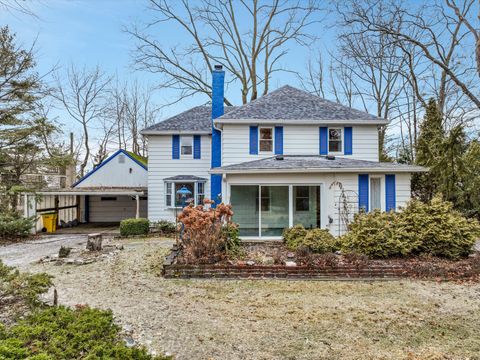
{"type": "Point", "coordinates": [137, 214]}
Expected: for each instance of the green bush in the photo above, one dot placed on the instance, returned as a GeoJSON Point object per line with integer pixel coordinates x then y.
{"type": "Point", "coordinates": [13, 225]}
{"type": "Point", "coordinates": [233, 246]}
{"type": "Point", "coordinates": [438, 228]}
{"type": "Point", "coordinates": [435, 229]}
{"type": "Point", "coordinates": [320, 241]}
{"type": "Point", "coordinates": [63, 333]}
{"type": "Point", "coordinates": [375, 234]}
{"type": "Point", "coordinates": [164, 226]}
{"type": "Point", "coordinates": [129, 227]}
{"type": "Point", "coordinates": [23, 287]}
{"type": "Point", "coordinates": [315, 240]}
{"type": "Point", "coordinates": [294, 236]}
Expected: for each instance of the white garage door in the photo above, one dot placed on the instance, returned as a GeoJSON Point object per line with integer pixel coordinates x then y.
{"type": "Point", "coordinates": [115, 208]}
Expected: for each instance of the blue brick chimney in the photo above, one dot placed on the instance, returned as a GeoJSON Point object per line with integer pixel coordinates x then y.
{"type": "Point", "coordinates": [218, 80]}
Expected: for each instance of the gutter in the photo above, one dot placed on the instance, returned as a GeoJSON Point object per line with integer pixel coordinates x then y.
{"type": "Point", "coordinates": [302, 122]}
{"type": "Point", "coordinates": [175, 132]}
{"type": "Point", "coordinates": [414, 169]}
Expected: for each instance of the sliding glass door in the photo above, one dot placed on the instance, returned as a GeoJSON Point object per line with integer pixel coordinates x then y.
{"type": "Point", "coordinates": [306, 206]}
{"type": "Point", "coordinates": [265, 210]}
{"type": "Point", "coordinates": [274, 210]}
{"type": "Point", "coordinates": [244, 200]}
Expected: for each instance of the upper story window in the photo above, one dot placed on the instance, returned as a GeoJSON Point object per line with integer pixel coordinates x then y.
{"type": "Point", "coordinates": [335, 140]}
{"type": "Point", "coordinates": [186, 146]}
{"type": "Point", "coordinates": [266, 139]}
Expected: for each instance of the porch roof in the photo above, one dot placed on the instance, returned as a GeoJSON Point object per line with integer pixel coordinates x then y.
{"type": "Point", "coordinates": [185, 178]}
{"type": "Point", "coordinates": [94, 191]}
{"type": "Point", "coordinates": [314, 164]}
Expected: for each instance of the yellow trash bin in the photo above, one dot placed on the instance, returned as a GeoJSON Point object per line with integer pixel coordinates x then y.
{"type": "Point", "coordinates": [50, 222]}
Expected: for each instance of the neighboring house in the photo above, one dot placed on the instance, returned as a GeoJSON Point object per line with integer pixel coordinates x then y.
{"type": "Point", "coordinates": [114, 190]}
{"type": "Point", "coordinates": [286, 158]}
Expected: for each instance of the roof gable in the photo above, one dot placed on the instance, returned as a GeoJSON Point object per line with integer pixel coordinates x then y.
{"type": "Point", "coordinates": [90, 176]}
{"type": "Point", "coordinates": [292, 104]}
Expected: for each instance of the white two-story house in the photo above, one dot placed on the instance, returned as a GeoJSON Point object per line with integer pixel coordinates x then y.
{"type": "Point", "coordinates": [286, 158]}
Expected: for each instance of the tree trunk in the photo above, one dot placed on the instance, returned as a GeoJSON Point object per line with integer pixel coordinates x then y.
{"type": "Point", "coordinates": [94, 242]}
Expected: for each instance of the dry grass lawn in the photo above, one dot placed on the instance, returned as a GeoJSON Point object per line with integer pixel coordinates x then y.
{"type": "Point", "coordinates": [208, 319]}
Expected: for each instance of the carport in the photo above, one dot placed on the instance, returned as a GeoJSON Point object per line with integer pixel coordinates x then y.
{"type": "Point", "coordinates": [87, 205]}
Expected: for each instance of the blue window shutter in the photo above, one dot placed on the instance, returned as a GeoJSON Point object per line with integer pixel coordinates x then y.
{"type": "Point", "coordinates": [175, 146]}
{"type": "Point", "coordinates": [323, 141]}
{"type": "Point", "coordinates": [279, 140]}
{"type": "Point", "coordinates": [347, 139]}
{"type": "Point", "coordinates": [253, 140]}
{"type": "Point", "coordinates": [390, 193]}
{"type": "Point", "coordinates": [197, 147]}
{"type": "Point", "coordinates": [363, 192]}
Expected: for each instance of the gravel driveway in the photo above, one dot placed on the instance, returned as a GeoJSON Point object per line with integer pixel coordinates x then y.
{"type": "Point", "coordinates": [23, 254]}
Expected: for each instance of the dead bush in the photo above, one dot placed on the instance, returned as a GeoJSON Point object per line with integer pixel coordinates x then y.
{"type": "Point", "coordinates": [204, 237]}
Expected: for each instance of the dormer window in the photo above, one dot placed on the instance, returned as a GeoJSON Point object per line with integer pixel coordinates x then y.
{"type": "Point", "coordinates": [266, 139]}
{"type": "Point", "coordinates": [334, 140]}
{"type": "Point", "coordinates": [186, 146]}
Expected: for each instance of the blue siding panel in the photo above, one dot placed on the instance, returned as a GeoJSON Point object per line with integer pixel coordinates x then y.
{"type": "Point", "coordinates": [175, 147]}
{"type": "Point", "coordinates": [348, 143]}
{"type": "Point", "coordinates": [278, 140]}
{"type": "Point", "coordinates": [323, 141]}
{"type": "Point", "coordinates": [216, 188]}
{"type": "Point", "coordinates": [253, 140]}
{"type": "Point", "coordinates": [390, 193]}
{"type": "Point", "coordinates": [197, 147]}
{"type": "Point", "coordinates": [363, 191]}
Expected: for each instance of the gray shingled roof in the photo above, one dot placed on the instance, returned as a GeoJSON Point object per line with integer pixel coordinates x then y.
{"type": "Point", "coordinates": [289, 103]}
{"type": "Point", "coordinates": [314, 163]}
{"type": "Point", "coordinates": [197, 119]}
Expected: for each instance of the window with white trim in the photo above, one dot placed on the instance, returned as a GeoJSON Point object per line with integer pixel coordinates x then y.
{"type": "Point", "coordinates": [186, 146]}
{"type": "Point", "coordinates": [265, 139]}
{"type": "Point", "coordinates": [172, 199]}
{"type": "Point", "coordinates": [335, 140]}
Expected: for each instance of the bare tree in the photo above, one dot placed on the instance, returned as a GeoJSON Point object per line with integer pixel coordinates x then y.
{"type": "Point", "coordinates": [132, 110]}
{"type": "Point", "coordinates": [82, 93]}
{"type": "Point", "coordinates": [462, 19]}
{"type": "Point", "coordinates": [439, 36]}
{"type": "Point", "coordinates": [249, 38]}
{"type": "Point", "coordinates": [20, 6]}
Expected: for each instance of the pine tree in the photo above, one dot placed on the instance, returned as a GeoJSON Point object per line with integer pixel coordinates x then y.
{"type": "Point", "coordinates": [429, 153]}
{"type": "Point", "coordinates": [23, 128]}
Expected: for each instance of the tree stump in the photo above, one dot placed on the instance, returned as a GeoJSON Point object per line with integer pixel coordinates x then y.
{"type": "Point", "coordinates": [94, 242]}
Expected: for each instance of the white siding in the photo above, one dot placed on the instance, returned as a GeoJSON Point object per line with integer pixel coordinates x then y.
{"type": "Point", "coordinates": [116, 174]}
{"type": "Point", "coordinates": [297, 140]}
{"type": "Point", "coordinates": [123, 207]}
{"type": "Point", "coordinates": [333, 202]}
{"type": "Point", "coordinates": [161, 166]}
{"type": "Point", "coordinates": [365, 143]}
{"type": "Point", "coordinates": [403, 189]}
